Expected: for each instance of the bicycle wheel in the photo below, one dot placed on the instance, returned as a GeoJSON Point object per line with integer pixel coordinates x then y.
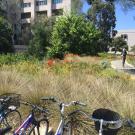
{"type": "Point", "coordinates": [40, 128]}
{"type": "Point", "coordinates": [79, 124]}
{"type": "Point", "coordinates": [68, 128]}
{"type": "Point", "coordinates": [13, 119]}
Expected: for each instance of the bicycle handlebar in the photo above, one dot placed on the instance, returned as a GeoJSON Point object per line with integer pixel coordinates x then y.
{"type": "Point", "coordinates": [35, 107]}
{"type": "Point", "coordinates": [75, 103]}
{"type": "Point", "coordinates": [5, 100]}
{"type": "Point", "coordinates": [55, 100]}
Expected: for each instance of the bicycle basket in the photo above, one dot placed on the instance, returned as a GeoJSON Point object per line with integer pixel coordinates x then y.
{"type": "Point", "coordinates": [107, 115]}
{"type": "Point", "coordinates": [10, 99]}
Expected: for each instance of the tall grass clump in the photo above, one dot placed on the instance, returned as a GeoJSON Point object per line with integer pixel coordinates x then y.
{"type": "Point", "coordinates": [11, 81]}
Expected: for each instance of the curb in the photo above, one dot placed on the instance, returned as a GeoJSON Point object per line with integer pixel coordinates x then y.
{"type": "Point", "coordinates": [130, 65]}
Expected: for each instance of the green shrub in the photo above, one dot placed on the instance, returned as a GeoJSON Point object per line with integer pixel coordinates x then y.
{"type": "Point", "coordinates": [119, 43]}
{"type": "Point", "coordinates": [41, 31]}
{"type": "Point", "coordinates": [110, 73]}
{"type": "Point", "coordinates": [75, 35]}
{"type": "Point", "coordinates": [63, 68]}
{"type": "Point", "coordinates": [133, 49]}
{"type": "Point", "coordinates": [105, 64]}
{"type": "Point", "coordinates": [5, 36]}
{"type": "Point", "coordinates": [15, 58]}
{"type": "Point", "coordinates": [113, 74]}
{"type": "Point", "coordinates": [105, 55]}
{"type": "Point", "coordinates": [96, 69]}
{"type": "Point", "coordinates": [131, 60]}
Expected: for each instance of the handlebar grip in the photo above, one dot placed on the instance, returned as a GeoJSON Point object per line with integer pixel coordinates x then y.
{"type": "Point", "coordinates": [35, 107]}
{"type": "Point", "coordinates": [53, 99]}
{"type": "Point", "coordinates": [79, 103]}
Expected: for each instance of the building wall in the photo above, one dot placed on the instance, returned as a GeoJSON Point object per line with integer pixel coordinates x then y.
{"type": "Point", "coordinates": [65, 6]}
{"type": "Point", "coordinates": [130, 36]}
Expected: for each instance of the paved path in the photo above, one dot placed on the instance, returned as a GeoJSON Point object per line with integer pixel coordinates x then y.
{"type": "Point", "coordinates": [117, 64]}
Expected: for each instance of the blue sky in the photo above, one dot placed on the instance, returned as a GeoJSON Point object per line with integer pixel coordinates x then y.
{"type": "Point", "coordinates": [125, 19]}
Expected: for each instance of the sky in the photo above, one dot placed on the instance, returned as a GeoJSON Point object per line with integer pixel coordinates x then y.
{"type": "Point", "coordinates": [125, 19]}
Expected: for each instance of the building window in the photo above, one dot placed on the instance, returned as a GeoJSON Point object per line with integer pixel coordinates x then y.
{"type": "Point", "coordinates": [57, 12]}
{"type": "Point", "coordinates": [124, 36]}
{"type": "Point", "coordinates": [41, 2]}
{"type": "Point", "coordinates": [24, 5]}
{"type": "Point", "coordinates": [25, 15]}
{"type": "Point", "coordinates": [56, 1]}
{"type": "Point", "coordinates": [41, 13]}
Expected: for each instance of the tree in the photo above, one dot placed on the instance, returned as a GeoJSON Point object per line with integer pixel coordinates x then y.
{"type": "Point", "coordinates": [74, 34]}
{"type": "Point", "coordinates": [77, 6]}
{"type": "Point", "coordinates": [102, 14]}
{"type": "Point", "coordinates": [2, 8]}
{"type": "Point", "coordinates": [5, 36]}
{"type": "Point", "coordinates": [41, 31]}
{"type": "Point", "coordinates": [133, 49]}
{"type": "Point", "coordinates": [13, 17]}
{"type": "Point", "coordinates": [119, 43]}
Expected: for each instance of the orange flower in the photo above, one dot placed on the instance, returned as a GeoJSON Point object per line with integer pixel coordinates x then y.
{"type": "Point", "coordinates": [50, 63]}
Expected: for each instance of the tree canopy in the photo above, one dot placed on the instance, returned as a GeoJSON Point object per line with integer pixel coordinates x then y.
{"type": "Point", "coordinates": [119, 43]}
{"type": "Point", "coordinates": [102, 14]}
{"type": "Point", "coordinates": [5, 36]}
{"type": "Point", "coordinates": [74, 34]}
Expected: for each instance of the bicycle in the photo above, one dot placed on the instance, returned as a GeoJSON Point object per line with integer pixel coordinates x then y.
{"type": "Point", "coordinates": [65, 124]}
{"type": "Point", "coordinates": [9, 115]}
{"type": "Point", "coordinates": [106, 122]}
{"type": "Point", "coordinates": [3, 131]}
{"type": "Point", "coordinates": [31, 125]}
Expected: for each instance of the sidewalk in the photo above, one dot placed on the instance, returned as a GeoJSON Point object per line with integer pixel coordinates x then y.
{"type": "Point", "coordinates": [117, 64]}
{"type": "Point", "coordinates": [130, 69]}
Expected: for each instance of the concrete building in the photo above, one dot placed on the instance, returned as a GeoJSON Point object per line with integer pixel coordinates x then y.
{"type": "Point", "coordinates": [30, 9]}
{"type": "Point", "coordinates": [26, 11]}
{"type": "Point", "coordinates": [127, 35]}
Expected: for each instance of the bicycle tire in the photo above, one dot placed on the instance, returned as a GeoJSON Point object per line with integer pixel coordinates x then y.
{"type": "Point", "coordinates": [13, 119]}
{"type": "Point", "coordinates": [40, 128]}
{"type": "Point", "coordinates": [79, 125]}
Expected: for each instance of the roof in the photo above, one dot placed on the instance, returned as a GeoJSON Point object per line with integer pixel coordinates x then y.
{"type": "Point", "coordinates": [127, 31]}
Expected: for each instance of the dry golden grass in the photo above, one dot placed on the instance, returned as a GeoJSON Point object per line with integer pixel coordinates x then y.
{"type": "Point", "coordinates": [96, 92]}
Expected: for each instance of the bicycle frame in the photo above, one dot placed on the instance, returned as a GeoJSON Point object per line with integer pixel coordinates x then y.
{"type": "Point", "coordinates": [62, 106]}
{"type": "Point", "coordinates": [60, 128]}
{"type": "Point", "coordinates": [2, 115]}
{"type": "Point", "coordinates": [24, 125]}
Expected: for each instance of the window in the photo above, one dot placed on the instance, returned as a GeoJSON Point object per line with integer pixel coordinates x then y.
{"type": "Point", "coordinates": [124, 36]}
{"type": "Point", "coordinates": [42, 13]}
{"type": "Point", "coordinates": [57, 12]}
{"type": "Point", "coordinates": [41, 2]}
{"type": "Point", "coordinates": [56, 1]}
{"type": "Point", "coordinates": [24, 5]}
{"type": "Point", "coordinates": [25, 15]}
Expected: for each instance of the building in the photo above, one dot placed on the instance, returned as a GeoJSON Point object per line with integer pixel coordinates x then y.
{"type": "Point", "coordinates": [30, 9]}
{"type": "Point", "coordinates": [127, 35]}
{"type": "Point", "coordinates": [22, 13]}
